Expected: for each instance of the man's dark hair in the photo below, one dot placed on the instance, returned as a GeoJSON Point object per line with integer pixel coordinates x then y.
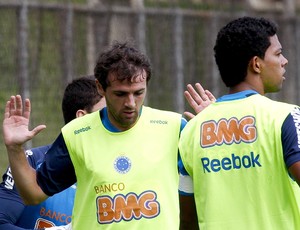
{"type": "Point", "coordinates": [238, 42]}
{"type": "Point", "coordinates": [81, 93]}
{"type": "Point", "coordinates": [122, 60]}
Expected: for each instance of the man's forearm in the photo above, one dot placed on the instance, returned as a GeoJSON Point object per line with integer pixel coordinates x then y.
{"type": "Point", "coordinates": [24, 176]}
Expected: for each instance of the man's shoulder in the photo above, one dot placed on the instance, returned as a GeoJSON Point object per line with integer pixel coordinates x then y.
{"type": "Point", "coordinates": [163, 117]}
{"type": "Point", "coordinates": [161, 112]}
{"type": "Point", "coordinates": [280, 107]}
{"type": "Point", "coordinates": [86, 120]}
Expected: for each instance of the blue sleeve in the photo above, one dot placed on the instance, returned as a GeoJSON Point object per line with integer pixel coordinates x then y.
{"type": "Point", "coordinates": [183, 174]}
{"type": "Point", "coordinates": [57, 172]}
{"type": "Point", "coordinates": [183, 123]}
{"type": "Point", "coordinates": [11, 227]}
{"type": "Point", "coordinates": [36, 156]}
{"type": "Point", "coordinates": [290, 136]}
{"type": "Point", "coordinates": [181, 168]}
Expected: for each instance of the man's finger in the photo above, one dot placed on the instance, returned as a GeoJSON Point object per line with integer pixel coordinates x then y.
{"type": "Point", "coordinates": [188, 115]}
{"type": "Point", "coordinates": [27, 109]}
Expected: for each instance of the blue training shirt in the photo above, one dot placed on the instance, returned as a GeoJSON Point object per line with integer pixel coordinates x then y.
{"type": "Point", "coordinates": [15, 215]}
{"type": "Point", "coordinates": [54, 211]}
{"type": "Point", "coordinates": [12, 205]}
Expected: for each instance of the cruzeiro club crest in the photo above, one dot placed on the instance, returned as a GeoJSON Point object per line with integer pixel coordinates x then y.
{"type": "Point", "coordinates": [122, 164]}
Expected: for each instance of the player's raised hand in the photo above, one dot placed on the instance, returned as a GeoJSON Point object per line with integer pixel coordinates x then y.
{"type": "Point", "coordinates": [16, 122]}
{"type": "Point", "coordinates": [198, 99]}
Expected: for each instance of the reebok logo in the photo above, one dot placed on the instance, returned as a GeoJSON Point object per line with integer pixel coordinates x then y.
{"type": "Point", "coordinates": [230, 163]}
{"type": "Point", "coordinates": [159, 122]}
{"type": "Point", "coordinates": [82, 130]}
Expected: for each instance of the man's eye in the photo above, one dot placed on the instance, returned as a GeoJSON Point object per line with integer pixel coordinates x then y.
{"type": "Point", "coordinates": [139, 93]}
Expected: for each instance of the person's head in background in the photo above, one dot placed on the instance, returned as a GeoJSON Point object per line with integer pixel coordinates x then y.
{"type": "Point", "coordinates": [81, 97]}
{"type": "Point", "coordinates": [247, 51]}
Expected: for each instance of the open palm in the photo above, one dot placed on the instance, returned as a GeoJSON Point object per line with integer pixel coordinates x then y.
{"type": "Point", "coordinates": [16, 122]}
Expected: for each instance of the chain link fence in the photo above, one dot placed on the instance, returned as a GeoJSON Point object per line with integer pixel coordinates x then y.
{"type": "Point", "coordinates": [43, 46]}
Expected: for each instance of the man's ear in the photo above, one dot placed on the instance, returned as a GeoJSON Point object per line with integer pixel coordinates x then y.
{"type": "Point", "coordinates": [80, 113]}
{"type": "Point", "coordinates": [99, 88]}
{"type": "Point", "coordinates": [255, 64]}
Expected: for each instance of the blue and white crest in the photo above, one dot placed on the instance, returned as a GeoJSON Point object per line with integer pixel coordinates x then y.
{"type": "Point", "coordinates": [122, 164]}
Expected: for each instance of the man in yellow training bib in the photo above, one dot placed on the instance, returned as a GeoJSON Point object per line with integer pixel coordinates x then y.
{"type": "Point", "coordinates": [242, 152]}
{"type": "Point", "coordinates": [123, 158]}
